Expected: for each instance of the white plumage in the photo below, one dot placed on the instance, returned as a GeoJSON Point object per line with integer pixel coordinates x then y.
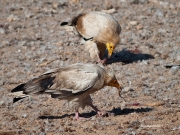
{"type": "Point", "coordinates": [74, 83]}
{"type": "Point", "coordinates": [101, 29]}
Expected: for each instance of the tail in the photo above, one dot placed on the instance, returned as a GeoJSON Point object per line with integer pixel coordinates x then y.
{"type": "Point", "coordinates": [35, 86]}
{"type": "Point", "coordinates": [18, 92]}
{"type": "Point", "coordinates": [73, 22]}
{"type": "Point", "coordinates": [64, 24]}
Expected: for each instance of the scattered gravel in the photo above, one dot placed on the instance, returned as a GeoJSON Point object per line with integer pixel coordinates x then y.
{"type": "Point", "coordinates": [146, 63]}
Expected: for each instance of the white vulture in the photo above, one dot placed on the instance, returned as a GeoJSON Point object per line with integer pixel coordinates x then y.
{"type": "Point", "coordinates": [73, 83]}
{"type": "Point", "coordinates": [101, 32]}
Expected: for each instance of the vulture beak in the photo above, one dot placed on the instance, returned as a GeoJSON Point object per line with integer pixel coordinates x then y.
{"type": "Point", "coordinates": [110, 48]}
{"type": "Point", "coordinates": [114, 83]}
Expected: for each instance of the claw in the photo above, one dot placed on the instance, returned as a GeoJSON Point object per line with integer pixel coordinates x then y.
{"type": "Point", "coordinates": [103, 114]}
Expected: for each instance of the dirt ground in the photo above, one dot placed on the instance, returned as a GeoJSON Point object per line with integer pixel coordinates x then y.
{"type": "Point", "coordinates": [146, 63]}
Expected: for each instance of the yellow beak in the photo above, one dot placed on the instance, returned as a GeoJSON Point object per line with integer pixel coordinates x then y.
{"type": "Point", "coordinates": [110, 48]}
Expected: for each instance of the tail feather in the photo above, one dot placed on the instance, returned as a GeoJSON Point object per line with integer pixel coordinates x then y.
{"type": "Point", "coordinates": [34, 86]}
{"type": "Point", "coordinates": [73, 22]}
{"type": "Point", "coordinates": [17, 99]}
{"type": "Point", "coordinates": [64, 24]}
{"type": "Point", "coordinates": [19, 88]}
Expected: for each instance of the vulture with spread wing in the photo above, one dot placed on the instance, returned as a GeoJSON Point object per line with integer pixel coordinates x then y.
{"type": "Point", "coordinates": [101, 32]}
{"type": "Point", "coordinates": [73, 83]}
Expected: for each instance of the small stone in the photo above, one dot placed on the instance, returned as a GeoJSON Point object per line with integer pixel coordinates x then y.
{"type": "Point", "coordinates": [74, 1]}
{"type": "Point", "coordinates": [55, 5]}
{"type": "Point", "coordinates": [138, 1]}
{"type": "Point", "coordinates": [42, 133]}
{"type": "Point", "coordinates": [143, 1]}
{"type": "Point", "coordinates": [110, 11]}
{"type": "Point", "coordinates": [133, 23]}
{"type": "Point", "coordinates": [93, 118]}
{"type": "Point", "coordinates": [164, 4]}
{"type": "Point", "coordinates": [28, 14]}
{"type": "Point", "coordinates": [2, 31]}
{"type": "Point", "coordinates": [24, 115]}
{"type": "Point", "coordinates": [139, 27]}
{"type": "Point", "coordinates": [21, 43]}
{"type": "Point", "coordinates": [4, 43]}
{"type": "Point", "coordinates": [12, 18]}
{"type": "Point", "coordinates": [11, 28]}
{"type": "Point", "coordinates": [174, 69]}
{"type": "Point", "coordinates": [159, 13]}
{"type": "Point", "coordinates": [2, 103]}
{"type": "Point", "coordinates": [171, 6]}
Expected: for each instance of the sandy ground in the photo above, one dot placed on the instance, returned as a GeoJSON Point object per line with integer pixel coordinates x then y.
{"type": "Point", "coordinates": [145, 62]}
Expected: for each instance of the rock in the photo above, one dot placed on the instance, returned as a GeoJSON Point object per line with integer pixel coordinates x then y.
{"type": "Point", "coordinates": [42, 133]}
{"type": "Point", "coordinates": [21, 43]}
{"type": "Point", "coordinates": [174, 69]}
{"type": "Point", "coordinates": [5, 43]}
{"type": "Point", "coordinates": [159, 13]}
{"type": "Point", "coordinates": [133, 23]}
{"type": "Point", "coordinates": [28, 14]}
{"type": "Point", "coordinates": [24, 115]}
{"type": "Point", "coordinates": [2, 31]}
{"type": "Point", "coordinates": [13, 18]}
{"type": "Point", "coordinates": [143, 1]}
{"type": "Point", "coordinates": [74, 1]}
{"type": "Point", "coordinates": [110, 11]}
{"type": "Point", "coordinates": [139, 27]}
{"type": "Point", "coordinates": [138, 1]}
{"type": "Point", "coordinates": [55, 5]}
{"type": "Point", "coordinates": [164, 3]}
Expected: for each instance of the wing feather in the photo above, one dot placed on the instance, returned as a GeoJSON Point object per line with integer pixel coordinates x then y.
{"type": "Point", "coordinates": [75, 80]}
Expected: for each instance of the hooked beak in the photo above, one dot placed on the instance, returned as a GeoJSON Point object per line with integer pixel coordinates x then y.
{"type": "Point", "coordinates": [110, 48]}
{"type": "Point", "coordinates": [115, 83]}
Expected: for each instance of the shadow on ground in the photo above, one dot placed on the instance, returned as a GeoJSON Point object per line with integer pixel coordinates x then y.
{"type": "Point", "coordinates": [126, 111]}
{"type": "Point", "coordinates": [115, 111]}
{"type": "Point", "coordinates": [127, 57]}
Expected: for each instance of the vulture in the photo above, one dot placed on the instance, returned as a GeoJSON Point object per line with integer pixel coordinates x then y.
{"type": "Point", "coordinates": [101, 32]}
{"type": "Point", "coordinates": [73, 83]}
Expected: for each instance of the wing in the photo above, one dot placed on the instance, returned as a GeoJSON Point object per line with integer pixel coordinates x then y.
{"type": "Point", "coordinates": [63, 82]}
{"type": "Point", "coordinates": [73, 82]}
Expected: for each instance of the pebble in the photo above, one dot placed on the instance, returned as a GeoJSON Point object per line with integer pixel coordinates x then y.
{"type": "Point", "coordinates": [2, 31]}
{"type": "Point", "coordinates": [35, 36]}
{"type": "Point", "coordinates": [164, 4]}
{"type": "Point", "coordinates": [93, 118]}
{"type": "Point", "coordinates": [42, 133]}
{"type": "Point", "coordinates": [13, 18]}
{"type": "Point", "coordinates": [22, 43]}
{"type": "Point", "coordinates": [133, 23]}
{"type": "Point", "coordinates": [159, 13]}
{"type": "Point", "coordinates": [24, 115]}
{"type": "Point", "coordinates": [138, 1]}
{"type": "Point", "coordinates": [28, 14]}
{"type": "Point", "coordinates": [110, 11]}
{"type": "Point", "coordinates": [174, 69]}
{"type": "Point", "coordinates": [139, 27]}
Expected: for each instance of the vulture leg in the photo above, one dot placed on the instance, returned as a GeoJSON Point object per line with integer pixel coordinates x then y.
{"type": "Point", "coordinates": [99, 113]}
{"type": "Point", "coordinates": [77, 117]}
{"type": "Point", "coordinates": [88, 101]}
